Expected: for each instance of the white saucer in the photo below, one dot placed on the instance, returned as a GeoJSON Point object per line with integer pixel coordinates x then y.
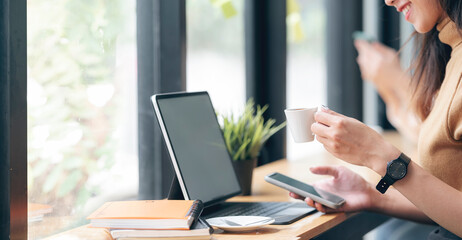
{"type": "Point", "coordinates": [240, 223]}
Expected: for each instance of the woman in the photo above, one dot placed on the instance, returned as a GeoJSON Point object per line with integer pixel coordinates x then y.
{"type": "Point", "coordinates": [431, 193]}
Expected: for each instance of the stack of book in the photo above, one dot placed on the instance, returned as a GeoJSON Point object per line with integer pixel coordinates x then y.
{"type": "Point", "coordinates": [36, 211]}
{"type": "Point", "coordinates": [152, 219]}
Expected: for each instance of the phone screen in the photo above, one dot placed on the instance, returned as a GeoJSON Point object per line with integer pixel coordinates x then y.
{"type": "Point", "coordinates": [307, 188]}
{"type": "Point", "coordinates": [358, 35]}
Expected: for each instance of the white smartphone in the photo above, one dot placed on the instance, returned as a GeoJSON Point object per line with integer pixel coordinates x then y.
{"type": "Point", "coordinates": [325, 198]}
{"type": "Point", "coordinates": [359, 35]}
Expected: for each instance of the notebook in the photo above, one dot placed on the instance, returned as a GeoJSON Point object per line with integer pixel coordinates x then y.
{"type": "Point", "coordinates": [36, 211]}
{"type": "Point", "coordinates": [202, 164]}
{"type": "Point", "coordinates": [147, 214]}
{"type": "Point", "coordinates": [199, 230]}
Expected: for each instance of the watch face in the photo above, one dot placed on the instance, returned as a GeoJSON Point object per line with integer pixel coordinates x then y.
{"type": "Point", "coordinates": [397, 170]}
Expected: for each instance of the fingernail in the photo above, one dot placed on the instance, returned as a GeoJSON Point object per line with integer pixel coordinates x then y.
{"type": "Point", "coordinates": [322, 108]}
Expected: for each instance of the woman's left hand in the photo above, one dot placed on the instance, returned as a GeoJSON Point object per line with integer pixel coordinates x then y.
{"type": "Point", "coordinates": [358, 193]}
{"type": "Point", "coordinates": [352, 141]}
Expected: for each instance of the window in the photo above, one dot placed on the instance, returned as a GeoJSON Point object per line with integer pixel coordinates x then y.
{"type": "Point", "coordinates": [82, 142]}
{"type": "Point", "coordinates": [306, 63]}
{"type": "Point", "coordinates": [215, 57]}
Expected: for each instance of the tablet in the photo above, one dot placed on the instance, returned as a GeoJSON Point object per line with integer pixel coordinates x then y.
{"type": "Point", "coordinates": [196, 146]}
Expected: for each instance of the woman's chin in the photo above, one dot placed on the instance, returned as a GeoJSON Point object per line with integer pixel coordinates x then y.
{"type": "Point", "coordinates": [422, 29]}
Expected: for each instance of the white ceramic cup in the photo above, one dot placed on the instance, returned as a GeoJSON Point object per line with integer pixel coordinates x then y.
{"type": "Point", "coordinates": [299, 121]}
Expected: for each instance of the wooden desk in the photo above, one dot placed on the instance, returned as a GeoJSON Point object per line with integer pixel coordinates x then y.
{"type": "Point", "coordinates": [306, 228]}
{"type": "Point", "coordinates": [315, 226]}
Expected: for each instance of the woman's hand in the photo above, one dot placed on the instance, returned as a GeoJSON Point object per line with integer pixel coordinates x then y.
{"type": "Point", "coordinates": [346, 184]}
{"type": "Point", "coordinates": [352, 141]}
{"type": "Point", "coordinates": [378, 63]}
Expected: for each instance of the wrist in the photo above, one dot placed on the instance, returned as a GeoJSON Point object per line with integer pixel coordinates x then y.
{"type": "Point", "coordinates": [379, 164]}
{"type": "Point", "coordinates": [376, 200]}
{"type": "Point", "coordinates": [379, 202]}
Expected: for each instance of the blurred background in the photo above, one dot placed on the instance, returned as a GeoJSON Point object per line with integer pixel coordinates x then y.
{"type": "Point", "coordinates": [92, 65]}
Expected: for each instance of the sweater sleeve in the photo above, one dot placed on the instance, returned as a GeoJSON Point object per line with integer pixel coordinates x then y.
{"type": "Point", "coordinates": [455, 114]}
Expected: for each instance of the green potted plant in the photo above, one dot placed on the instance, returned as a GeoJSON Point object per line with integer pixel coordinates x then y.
{"type": "Point", "coordinates": [245, 135]}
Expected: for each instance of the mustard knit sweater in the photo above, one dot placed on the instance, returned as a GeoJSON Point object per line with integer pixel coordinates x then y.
{"type": "Point", "coordinates": [440, 138]}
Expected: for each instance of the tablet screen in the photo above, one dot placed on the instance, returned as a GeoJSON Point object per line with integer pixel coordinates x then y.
{"type": "Point", "coordinates": [198, 146]}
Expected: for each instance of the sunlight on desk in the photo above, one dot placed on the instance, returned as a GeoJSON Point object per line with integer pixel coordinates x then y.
{"type": "Point", "coordinates": [306, 228]}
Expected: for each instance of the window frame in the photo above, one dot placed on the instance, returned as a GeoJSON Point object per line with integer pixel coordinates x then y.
{"type": "Point", "coordinates": [345, 91]}
{"type": "Point", "coordinates": [161, 46]}
{"type": "Point", "coordinates": [265, 66]}
{"type": "Point", "coordinates": [13, 142]}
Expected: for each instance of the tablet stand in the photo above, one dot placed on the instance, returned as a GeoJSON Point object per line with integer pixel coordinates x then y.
{"type": "Point", "coordinates": [175, 192]}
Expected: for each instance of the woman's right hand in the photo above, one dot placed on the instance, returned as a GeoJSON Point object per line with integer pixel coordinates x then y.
{"type": "Point", "coordinates": [378, 63]}
{"type": "Point", "coordinates": [345, 183]}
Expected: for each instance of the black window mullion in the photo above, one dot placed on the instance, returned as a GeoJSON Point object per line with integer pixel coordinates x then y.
{"type": "Point", "coordinates": [389, 34]}
{"type": "Point", "coordinates": [161, 43]}
{"type": "Point", "coordinates": [13, 120]}
{"type": "Point", "coordinates": [344, 84]}
{"type": "Point", "coordinates": [266, 57]}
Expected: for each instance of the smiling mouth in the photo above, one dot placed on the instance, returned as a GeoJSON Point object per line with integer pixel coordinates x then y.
{"type": "Point", "coordinates": [405, 11]}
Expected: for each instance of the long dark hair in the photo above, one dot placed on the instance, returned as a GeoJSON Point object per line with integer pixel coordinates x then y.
{"type": "Point", "coordinates": [432, 58]}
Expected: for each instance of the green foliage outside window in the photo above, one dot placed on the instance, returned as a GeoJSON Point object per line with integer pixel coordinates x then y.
{"type": "Point", "coordinates": [72, 108]}
{"type": "Point", "coordinates": [293, 18]}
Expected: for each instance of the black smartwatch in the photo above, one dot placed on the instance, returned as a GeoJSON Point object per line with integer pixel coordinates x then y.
{"type": "Point", "coordinates": [396, 170]}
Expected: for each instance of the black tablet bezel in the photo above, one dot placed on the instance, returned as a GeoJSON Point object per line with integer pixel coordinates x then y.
{"type": "Point", "coordinates": [171, 150]}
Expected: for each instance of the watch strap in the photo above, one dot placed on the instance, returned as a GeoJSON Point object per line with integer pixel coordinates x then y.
{"type": "Point", "coordinates": [405, 159]}
{"type": "Point", "coordinates": [384, 184]}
